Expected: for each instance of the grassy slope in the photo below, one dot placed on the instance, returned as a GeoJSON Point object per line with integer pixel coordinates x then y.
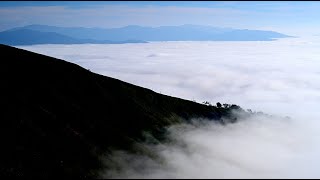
{"type": "Point", "coordinates": [57, 117]}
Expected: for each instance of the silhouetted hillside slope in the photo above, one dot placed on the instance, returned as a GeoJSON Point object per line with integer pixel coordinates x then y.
{"type": "Point", "coordinates": [57, 118]}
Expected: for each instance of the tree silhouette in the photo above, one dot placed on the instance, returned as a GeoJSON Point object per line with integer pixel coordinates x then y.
{"type": "Point", "coordinates": [207, 103]}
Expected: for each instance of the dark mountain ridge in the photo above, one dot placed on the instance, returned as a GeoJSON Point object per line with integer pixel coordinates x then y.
{"type": "Point", "coordinates": [58, 118]}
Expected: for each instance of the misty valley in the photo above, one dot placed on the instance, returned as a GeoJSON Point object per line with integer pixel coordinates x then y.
{"type": "Point", "coordinates": [159, 89]}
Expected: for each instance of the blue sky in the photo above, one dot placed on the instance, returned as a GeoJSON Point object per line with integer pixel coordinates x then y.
{"type": "Point", "coordinates": [293, 18]}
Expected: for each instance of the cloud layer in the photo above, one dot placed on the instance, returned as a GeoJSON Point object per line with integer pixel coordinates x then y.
{"type": "Point", "coordinates": [275, 77]}
{"type": "Point", "coordinates": [253, 148]}
{"type": "Point", "coordinates": [279, 77]}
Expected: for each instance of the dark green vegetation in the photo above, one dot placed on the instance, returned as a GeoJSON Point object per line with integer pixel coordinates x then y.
{"type": "Point", "coordinates": [57, 118]}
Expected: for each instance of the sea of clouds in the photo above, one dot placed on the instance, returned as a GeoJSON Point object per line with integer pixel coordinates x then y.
{"type": "Point", "coordinates": [277, 77]}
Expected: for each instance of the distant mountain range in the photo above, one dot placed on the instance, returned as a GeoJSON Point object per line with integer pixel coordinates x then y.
{"type": "Point", "coordinates": [43, 34]}
{"type": "Point", "coordinates": [31, 37]}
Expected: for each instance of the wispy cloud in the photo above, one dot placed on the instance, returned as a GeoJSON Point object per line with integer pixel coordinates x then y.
{"type": "Point", "coordinates": [115, 15]}
{"type": "Point", "coordinates": [258, 147]}
{"type": "Point", "coordinates": [224, 14]}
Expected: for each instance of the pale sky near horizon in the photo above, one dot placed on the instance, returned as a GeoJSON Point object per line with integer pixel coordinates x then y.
{"type": "Point", "coordinates": [292, 18]}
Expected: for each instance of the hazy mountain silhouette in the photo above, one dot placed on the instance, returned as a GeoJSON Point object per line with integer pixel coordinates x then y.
{"type": "Point", "coordinates": [57, 118]}
{"type": "Point", "coordinates": [162, 33]}
{"type": "Point", "coordinates": [27, 37]}
{"type": "Point", "coordinates": [32, 37]}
